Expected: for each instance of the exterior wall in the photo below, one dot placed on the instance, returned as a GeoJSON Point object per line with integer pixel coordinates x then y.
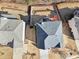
{"type": "Point", "coordinates": [43, 54]}
{"type": "Point", "coordinates": [59, 34]}
{"type": "Point", "coordinates": [57, 38]}
{"type": "Point", "coordinates": [49, 37]}
{"type": "Point", "coordinates": [41, 35]}
{"type": "Point", "coordinates": [72, 24]}
{"type": "Point", "coordinates": [19, 41]}
{"type": "Point", "coordinates": [13, 30]}
{"type": "Point", "coordinates": [5, 37]}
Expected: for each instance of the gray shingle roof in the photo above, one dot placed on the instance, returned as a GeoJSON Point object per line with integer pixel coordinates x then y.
{"type": "Point", "coordinates": [49, 34]}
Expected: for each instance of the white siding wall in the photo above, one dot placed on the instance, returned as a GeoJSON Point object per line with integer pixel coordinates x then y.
{"type": "Point", "coordinates": [19, 41]}
{"type": "Point", "coordinates": [43, 54]}
{"type": "Point", "coordinates": [17, 33]}
{"type": "Point", "coordinates": [74, 30]}
{"type": "Point", "coordinates": [5, 37]}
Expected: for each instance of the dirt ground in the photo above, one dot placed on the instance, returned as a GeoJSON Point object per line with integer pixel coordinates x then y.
{"type": "Point", "coordinates": [32, 50]}
{"type": "Point", "coordinates": [61, 53]}
{"type": "Point", "coordinates": [6, 52]}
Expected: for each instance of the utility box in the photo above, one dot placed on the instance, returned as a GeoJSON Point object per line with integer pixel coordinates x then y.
{"type": "Point", "coordinates": [49, 35]}
{"type": "Point", "coordinates": [13, 31]}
